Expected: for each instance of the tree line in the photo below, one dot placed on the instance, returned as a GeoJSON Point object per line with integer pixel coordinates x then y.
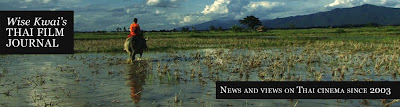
{"type": "Point", "coordinates": [120, 29]}
{"type": "Point", "coordinates": [254, 24]}
{"type": "Point", "coordinates": [250, 21]}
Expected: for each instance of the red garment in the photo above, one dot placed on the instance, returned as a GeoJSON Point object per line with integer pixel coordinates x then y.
{"type": "Point", "coordinates": [135, 95]}
{"type": "Point", "coordinates": [135, 29]}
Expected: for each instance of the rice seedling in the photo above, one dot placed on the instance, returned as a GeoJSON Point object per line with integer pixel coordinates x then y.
{"type": "Point", "coordinates": [387, 104]}
{"type": "Point", "coordinates": [362, 63]}
{"type": "Point", "coordinates": [192, 74]}
{"type": "Point", "coordinates": [364, 102]}
{"type": "Point", "coordinates": [176, 98]}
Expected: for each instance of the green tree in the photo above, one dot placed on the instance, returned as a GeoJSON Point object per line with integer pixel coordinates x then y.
{"type": "Point", "coordinates": [340, 31]}
{"type": "Point", "coordinates": [193, 29]}
{"type": "Point", "coordinates": [212, 28]}
{"type": "Point", "coordinates": [250, 21]}
{"type": "Point", "coordinates": [185, 29]}
{"type": "Point", "coordinates": [292, 26]}
{"type": "Point", "coordinates": [219, 28]}
{"type": "Point", "coordinates": [236, 28]}
{"type": "Point", "coordinates": [119, 29]}
{"type": "Point", "coordinates": [372, 25]}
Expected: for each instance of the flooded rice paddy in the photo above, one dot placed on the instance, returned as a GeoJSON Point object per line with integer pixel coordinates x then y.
{"type": "Point", "coordinates": [183, 78]}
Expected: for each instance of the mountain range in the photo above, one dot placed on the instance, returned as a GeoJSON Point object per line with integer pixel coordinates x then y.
{"type": "Point", "coordinates": [364, 14]}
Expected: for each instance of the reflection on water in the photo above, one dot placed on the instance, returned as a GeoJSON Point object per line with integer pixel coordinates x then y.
{"type": "Point", "coordinates": [137, 76]}
{"type": "Point", "coordinates": [184, 78]}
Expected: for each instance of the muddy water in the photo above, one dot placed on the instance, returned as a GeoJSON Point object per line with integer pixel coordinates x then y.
{"type": "Point", "coordinates": [183, 78]}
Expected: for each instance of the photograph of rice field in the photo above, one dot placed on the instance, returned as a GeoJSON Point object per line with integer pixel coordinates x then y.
{"type": "Point", "coordinates": [180, 68]}
{"type": "Point", "coordinates": [189, 49]}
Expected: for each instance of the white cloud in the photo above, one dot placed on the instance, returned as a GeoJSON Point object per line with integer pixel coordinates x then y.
{"type": "Point", "coordinates": [46, 1]}
{"type": "Point", "coordinates": [128, 10]}
{"type": "Point", "coordinates": [230, 9]}
{"type": "Point", "coordinates": [252, 6]}
{"type": "Point", "coordinates": [339, 2]}
{"type": "Point", "coordinates": [187, 19]}
{"type": "Point", "coordinates": [218, 7]}
{"type": "Point", "coordinates": [153, 2]}
{"type": "Point", "coordinates": [36, 1]}
{"type": "Point", "coordinates": [193, 19]}
{"type": "Point", "coordinates": [164, 3]}
{"type": "Point", "coordinates": [383, 1]}
{"type": "Point", "coordinates": [158, 12]}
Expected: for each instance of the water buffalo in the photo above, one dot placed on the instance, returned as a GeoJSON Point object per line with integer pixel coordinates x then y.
{"type": "Point", "coordinates": [135, 45]}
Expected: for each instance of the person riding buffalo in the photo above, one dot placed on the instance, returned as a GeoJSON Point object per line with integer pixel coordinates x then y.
{"type": "Point", "coordinates": [134, 31]}
{"type": "Point", "coordinates": [135, 43]}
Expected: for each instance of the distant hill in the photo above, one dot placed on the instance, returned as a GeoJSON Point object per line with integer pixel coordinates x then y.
{"type": "Point", "coordinates": [364, 14]}
{"type": "Point", "coordinates": [206, 25]}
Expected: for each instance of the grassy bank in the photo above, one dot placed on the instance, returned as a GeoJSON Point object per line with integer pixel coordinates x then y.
{"type": "Point", "coordinates": [354, 39]}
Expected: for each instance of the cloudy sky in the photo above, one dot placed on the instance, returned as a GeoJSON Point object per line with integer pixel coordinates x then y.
{"type": "Point", "coordinates": [93, 15]}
